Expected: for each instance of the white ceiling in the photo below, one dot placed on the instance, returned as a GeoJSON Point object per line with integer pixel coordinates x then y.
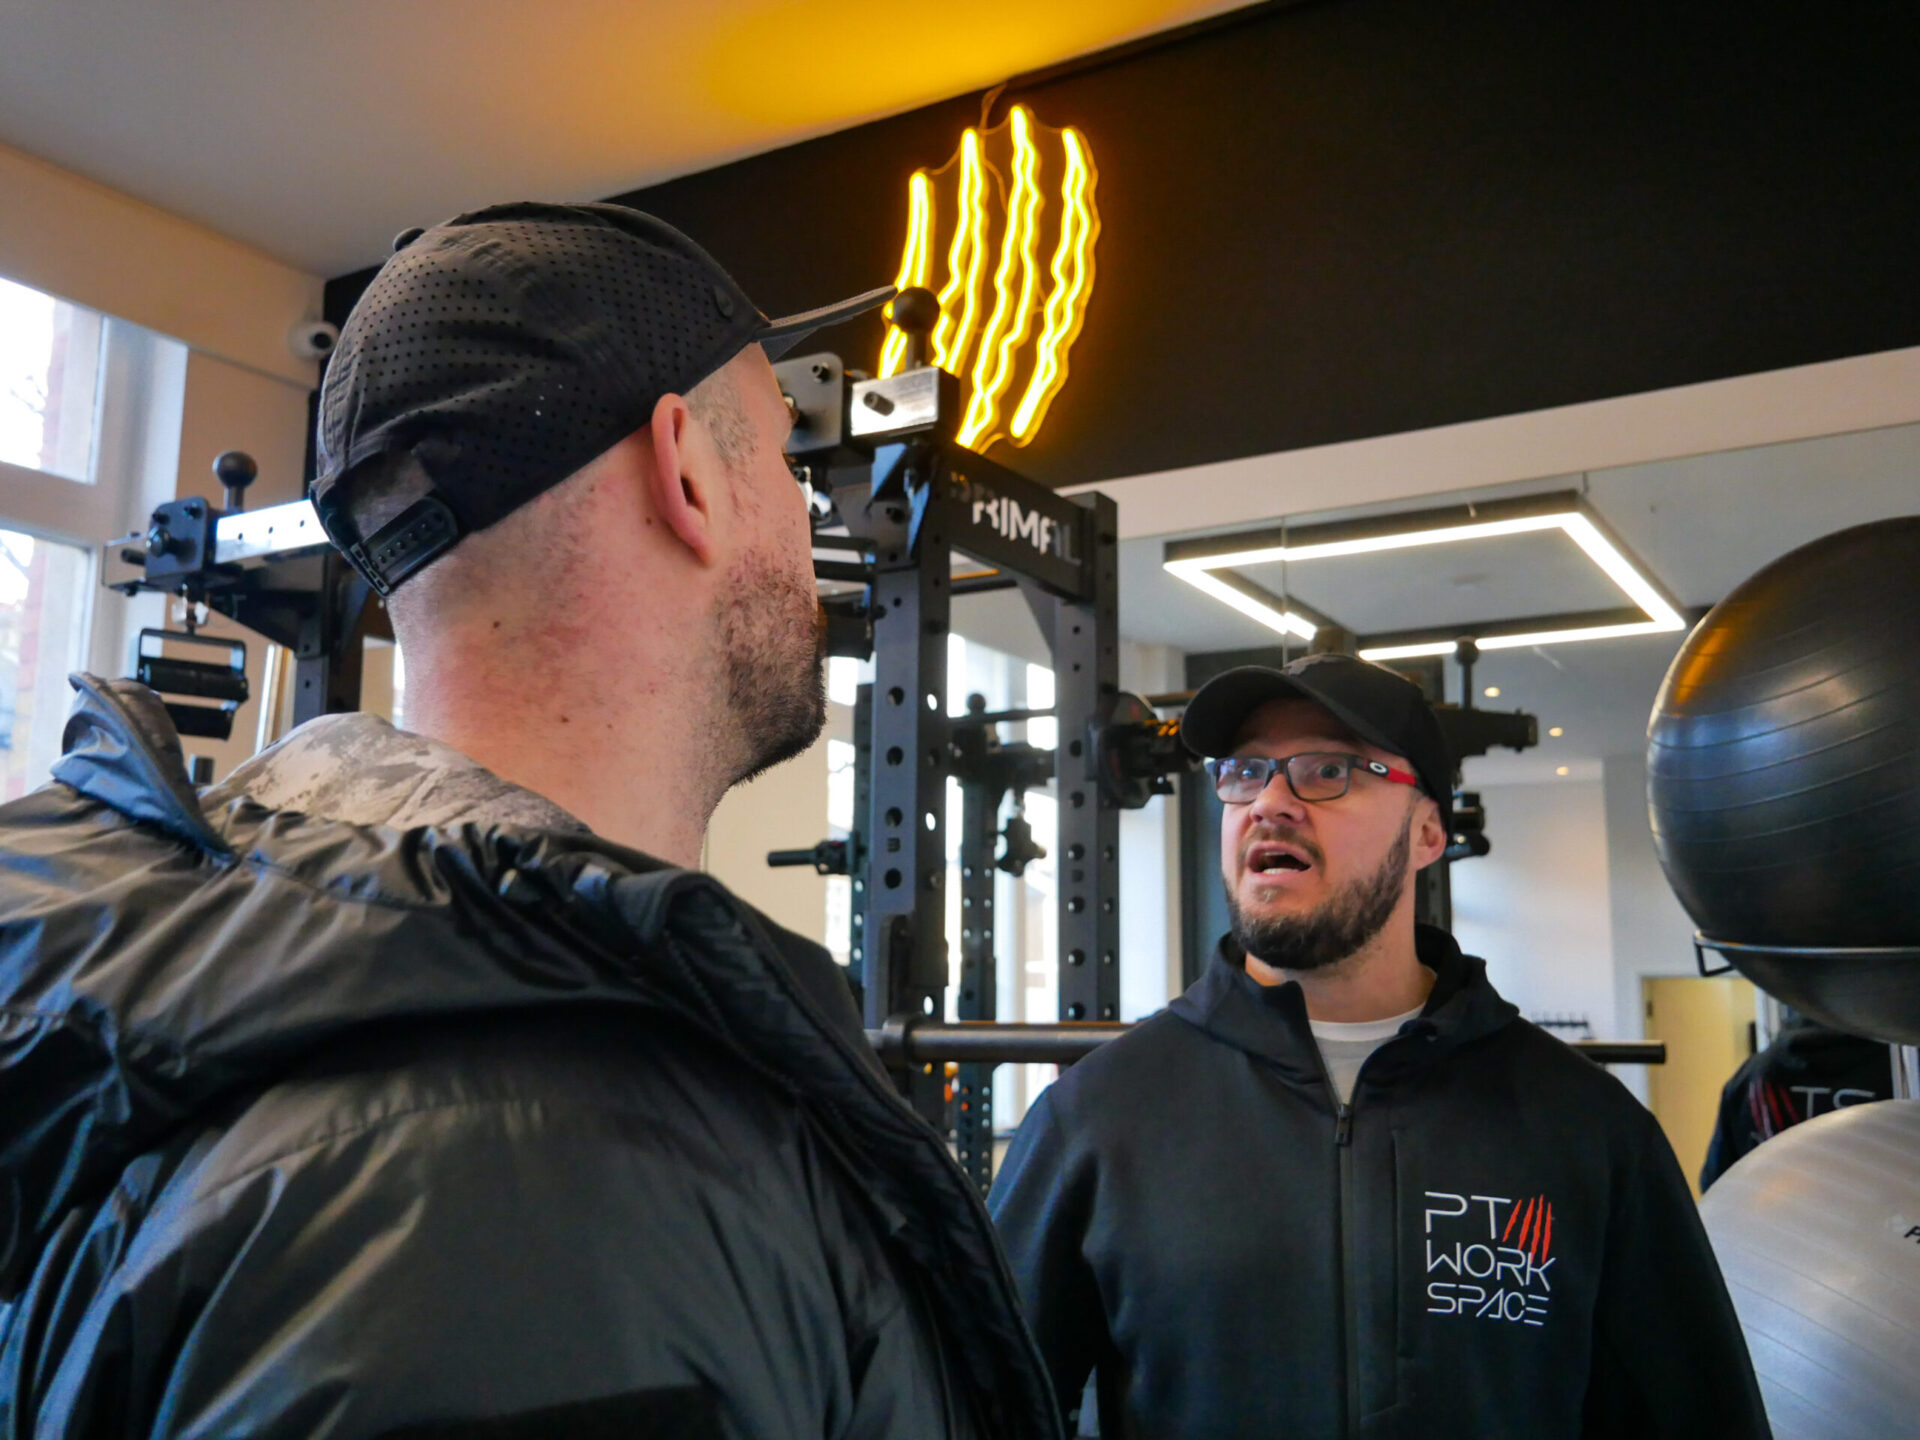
{"type": "Point", "coordinates": [1468, 582]}
{"type": "Point", "coordinates": [317, 131]}
{"type": "Point", "coordinates": [1701, 525]}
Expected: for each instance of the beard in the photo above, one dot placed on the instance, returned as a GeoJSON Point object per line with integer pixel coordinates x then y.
{"type": "Point", "coordinates": [1334, 929]}
{"type": "Point", "coordinates": [773, 650]}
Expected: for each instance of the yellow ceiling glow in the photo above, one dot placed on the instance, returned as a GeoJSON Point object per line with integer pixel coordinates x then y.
{"type": "Point", "coordinates": [1007, 192]}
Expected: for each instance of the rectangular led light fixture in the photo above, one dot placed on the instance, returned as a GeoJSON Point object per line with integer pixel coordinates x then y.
{"type": "Point", "coordinates": [1208, 565]}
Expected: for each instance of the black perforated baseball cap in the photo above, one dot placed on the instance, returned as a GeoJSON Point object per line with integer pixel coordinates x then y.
{"type": "Point", "coordinates": [497, 353]}
{"type": "Point", "coordinates": [1379, 706]}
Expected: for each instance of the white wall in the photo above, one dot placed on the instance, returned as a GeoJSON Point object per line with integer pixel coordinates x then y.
{"type": "Point", "coordinates": [1150, 860]}
{"type": "Point", "coordinates": [1834, 397]}
{"type": "Point", "coordinates": [242, 388]}
{"type": "Point", "coordinates": [94, 246]}
{"type": "Point", "coordinates": [785, 809]}
{"type": "Point", "coordinates": [1538, 909]}
{"type": "Point", "coordinates": [1652, 935]}
{"type": "Point", "coordinates": [1571, 910]}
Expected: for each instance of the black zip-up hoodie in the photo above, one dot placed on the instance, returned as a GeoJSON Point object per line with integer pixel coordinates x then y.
{"type": "Point", "coordinates": [1493, 1239]}
{"type": "Point", "coordinates": [319, 1128]}
{"type": "Point", "coordinates": [1808, 1070]}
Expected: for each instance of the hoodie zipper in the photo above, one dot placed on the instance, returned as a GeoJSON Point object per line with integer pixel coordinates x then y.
{"type": "Point", "coordinates": [1349, 1297]}
{"type": "Point", "coordinates": [1349, 1304]}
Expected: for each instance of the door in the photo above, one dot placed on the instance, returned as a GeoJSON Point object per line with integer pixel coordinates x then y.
{"type": "Point", "coordinates": [1708, 1026]}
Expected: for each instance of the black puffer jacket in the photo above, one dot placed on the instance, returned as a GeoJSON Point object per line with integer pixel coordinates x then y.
{"type": "Point", "coordinates": [312, 1128]}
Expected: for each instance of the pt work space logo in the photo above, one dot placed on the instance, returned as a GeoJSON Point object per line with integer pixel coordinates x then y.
{"type": "Point", "coordinates": [1489, 1257]}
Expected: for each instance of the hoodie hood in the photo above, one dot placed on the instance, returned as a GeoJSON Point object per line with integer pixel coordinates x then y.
{"type": "Point", "coordinates": [162, 953]}
{"type": "Point", "coordinates": [1271, 1020]}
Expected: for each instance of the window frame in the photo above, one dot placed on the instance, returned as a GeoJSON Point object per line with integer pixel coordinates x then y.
{"type": "Point", "coordinates": [139, 407]}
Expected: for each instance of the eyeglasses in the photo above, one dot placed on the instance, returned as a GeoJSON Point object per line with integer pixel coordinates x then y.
{"type": "Point", "coordinates": [1312, 776]}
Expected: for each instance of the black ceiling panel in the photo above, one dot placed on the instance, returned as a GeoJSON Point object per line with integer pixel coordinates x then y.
{"type": "Point", "coordinates": [1360, 217]}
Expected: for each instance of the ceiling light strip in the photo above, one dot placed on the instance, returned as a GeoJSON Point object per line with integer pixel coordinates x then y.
{"type": "Point", "coordinates": [1662, 616]}
{"type": "Point", "coordinates": [1622, 571]}
{"type": "Point", "coordinates": [1407, 540]}
{"type": "Point", "coordinates": [1285, 622]}
{"type": "Point", "coordinates": [1517, 642]}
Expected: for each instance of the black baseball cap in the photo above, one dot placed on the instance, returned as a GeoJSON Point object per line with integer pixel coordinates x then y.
{"type": "Point", "coordinates": [497, 353]}
{"type": "Point", "coordinates": [1381, 707]}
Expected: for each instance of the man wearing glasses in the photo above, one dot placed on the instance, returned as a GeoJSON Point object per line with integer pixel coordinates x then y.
{"type": "Point", "coordinates": [1339, 1187]}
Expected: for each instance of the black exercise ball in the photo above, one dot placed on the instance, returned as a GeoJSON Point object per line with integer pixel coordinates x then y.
{"type": "Point", "coordinates": [1783, 776]}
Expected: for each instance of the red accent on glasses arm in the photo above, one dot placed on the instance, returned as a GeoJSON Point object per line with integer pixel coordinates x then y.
{"type": "Point", "coordinates": [1400, 777]}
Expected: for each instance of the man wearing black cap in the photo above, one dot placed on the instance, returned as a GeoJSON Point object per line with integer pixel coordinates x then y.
{"type": "Point", "coordinates": [1339, 1188]}
{"type": "Point", "coordinates": [417, 1083]}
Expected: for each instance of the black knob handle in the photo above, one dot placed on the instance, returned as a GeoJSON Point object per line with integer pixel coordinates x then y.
{"type": "Point", "coordinates": [916, 310]}
{"type": "Point", "coordinates": [235, 470]}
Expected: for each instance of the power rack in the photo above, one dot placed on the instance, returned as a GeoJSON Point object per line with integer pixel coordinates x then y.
{"type": "Point", "coordinates": [899, 499]}
{"type": "Point", "coordinates": [909, 499]}
{"type": "Point", "coordinates": [272, 571]}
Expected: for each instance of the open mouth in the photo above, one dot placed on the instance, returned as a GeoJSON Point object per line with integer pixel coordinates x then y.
{"type": "Point", "coordinates": [1270, 862]}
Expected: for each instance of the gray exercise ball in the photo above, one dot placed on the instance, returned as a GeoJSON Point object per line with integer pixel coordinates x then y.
{"type": "Point", "coordinates": [1783, 776]}
{"type": "Point", "coordinates": [1818, 1234]}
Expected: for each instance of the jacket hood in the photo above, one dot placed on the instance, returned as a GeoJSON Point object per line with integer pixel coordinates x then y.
{"type": "Point", "coordinates": [1271, 1020]}
{"type": "Point", "coordinates": [1805, 1045]}
{"type": "Point", "coordinates": [158, 958]}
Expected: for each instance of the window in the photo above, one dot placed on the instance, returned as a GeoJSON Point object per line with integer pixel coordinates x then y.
{"type": "Point", "coordinates": [840, 754]}
{"type": "Point", "coordinates": [89, 439]}
{"type": "Point", "coordinates": [49, 382]}
{"type": "Point", "coordinates": [43, 620]}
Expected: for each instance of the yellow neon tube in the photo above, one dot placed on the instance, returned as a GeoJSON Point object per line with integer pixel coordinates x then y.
{"type": "Point", "coordinates": [954, 334]}
{"type": "Point", "coordinates": [1013, 283]}
{"type": "Point", "coordinates": [913, 264]}
{"type": "Point", "coordinates": [1072, 271]}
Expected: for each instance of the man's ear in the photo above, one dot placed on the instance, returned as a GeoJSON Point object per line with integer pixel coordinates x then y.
{"type": "Point", "coordinates": [681, 495]}
{"type": "Point", "coordinates": [1430, 838]}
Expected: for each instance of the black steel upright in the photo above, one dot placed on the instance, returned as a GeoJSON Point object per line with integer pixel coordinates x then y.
{"type": "Point", "coordinates": [911, 499]}
{"type": "Point", "coordinates": [1085, 632]}
{"type": "Point", "coordinates": [857, 839]}
{"type": "Point", "coordinates": [329, 640]}
{"type": "Point", "coordinates": [910, 605]}
{"type": "Point", "coordinates": [927, 501]}
{"type": "Point", "coordinates": [979, 976]}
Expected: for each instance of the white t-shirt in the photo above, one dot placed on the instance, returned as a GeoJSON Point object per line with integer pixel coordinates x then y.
{"type": "Point", "coordinates": [1345, 1046]}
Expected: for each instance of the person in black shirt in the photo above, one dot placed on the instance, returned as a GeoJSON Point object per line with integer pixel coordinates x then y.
{"type": "Point", "coordinates": [1806, 1071]}
{"type": "Point", "coordinates": [1257, 1214]}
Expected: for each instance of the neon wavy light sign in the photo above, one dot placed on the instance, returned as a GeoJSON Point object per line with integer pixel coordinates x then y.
{"type": "Point", "coordinates": [1007, 193]}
